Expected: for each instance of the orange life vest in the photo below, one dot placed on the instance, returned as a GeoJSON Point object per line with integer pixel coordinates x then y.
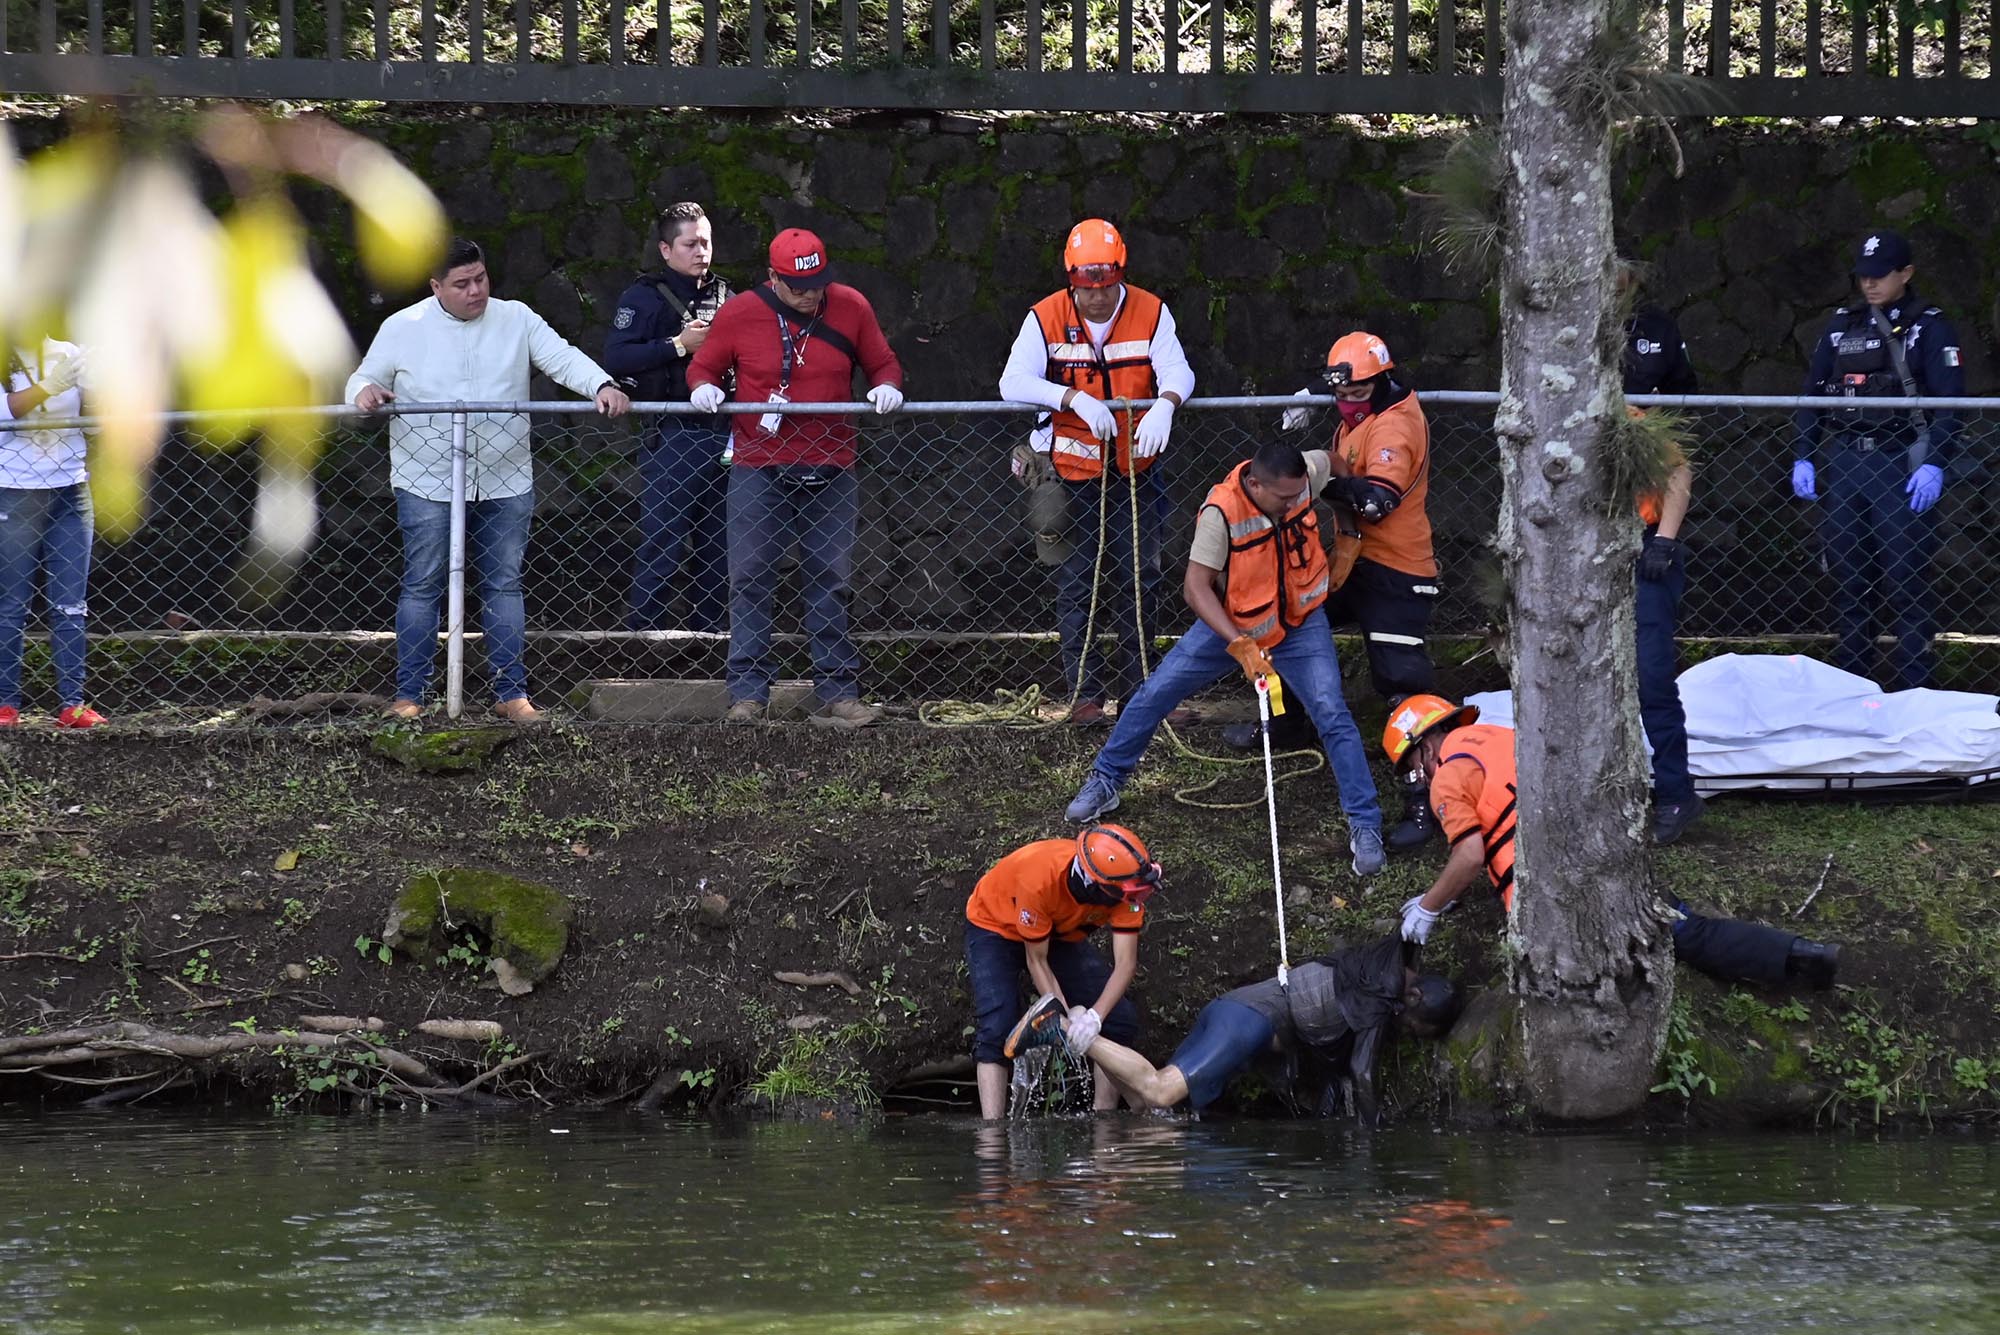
{"type": "Point", "coordinates": [1277, 572]}
{"type": "Point", "coordinates": [1122, 370]}
{"type": "Point", "coordinates": [1492, 749]}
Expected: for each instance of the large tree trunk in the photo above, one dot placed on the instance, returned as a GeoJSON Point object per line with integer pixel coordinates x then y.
{"type": "Point", "coordinates": [1593, 963]}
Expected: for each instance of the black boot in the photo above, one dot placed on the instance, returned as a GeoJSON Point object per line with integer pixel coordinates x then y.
{"type": "Point", "coordinates": [1418, 823]}
{"type": "Point", "coordinates": [1243, 736]}
{"type": "Point", "coordinates": [1814, 962]}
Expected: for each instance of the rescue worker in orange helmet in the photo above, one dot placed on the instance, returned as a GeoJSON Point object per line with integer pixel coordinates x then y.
{"type": "Point", "coordinates": [1468, 768]}
{"type": "Point", "coordinates": [1101, 339]}
{"type": "Point", "coordinates": [1381, 490]}
{"type": "Point", "coordinates": [1257, 582]}
{"type": "Point", "coordinates": [1035, 909]}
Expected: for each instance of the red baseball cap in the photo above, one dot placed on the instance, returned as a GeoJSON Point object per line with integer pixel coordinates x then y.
{"type": "Point", "coordinates": [799, 258]}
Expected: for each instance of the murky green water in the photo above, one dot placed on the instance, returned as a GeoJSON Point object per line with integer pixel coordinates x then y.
{"type": "Point", "coordinates": [578, 1225]}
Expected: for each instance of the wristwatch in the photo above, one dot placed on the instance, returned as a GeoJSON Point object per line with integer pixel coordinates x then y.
{"type": "Point", "coordinates": [680, 349]}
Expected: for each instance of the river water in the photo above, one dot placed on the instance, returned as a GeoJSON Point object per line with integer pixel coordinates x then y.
{"type": "Point", "coordinates": [461, 1224]}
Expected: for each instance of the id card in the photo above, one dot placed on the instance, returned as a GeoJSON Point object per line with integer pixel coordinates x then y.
{"type": "Point", "coordinates": [769, 422]}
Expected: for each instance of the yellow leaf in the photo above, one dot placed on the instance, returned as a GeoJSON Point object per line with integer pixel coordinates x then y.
{"type": "Point", "coordinates": [286, 860]}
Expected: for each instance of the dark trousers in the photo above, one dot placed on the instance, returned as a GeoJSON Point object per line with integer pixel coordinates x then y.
{"type": "Point", "coordinates": [683, 486]}
{"type": "Point", "coordinates": [1084, 669]}
{"type": "Point", "coordinates": [1730, 950]}
{"type": "Point", "coordinates": [995, 965]}
{"type": "Point", "coordinates": [1879, 553]}
{"type": "Point", "coordinates": [1659, 697]}
{"type": "Point", "coordinates": [1393, 612]}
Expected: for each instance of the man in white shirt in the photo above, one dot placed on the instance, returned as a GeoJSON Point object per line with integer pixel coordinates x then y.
{"type": "Point", "coordinates": [1097, 340]}
{"type": "Point", "coordinates": [461, 344]}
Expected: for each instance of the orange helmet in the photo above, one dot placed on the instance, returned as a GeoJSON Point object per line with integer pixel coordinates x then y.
{"type": "Point", "coordinates": [1112, 856]}
{"type": "Point", "coordinates": [1355, 358]}
{"type": "Point", "coordinates": [1417, 715]}
{"type": "Point", "coordinates": [1094, 255]}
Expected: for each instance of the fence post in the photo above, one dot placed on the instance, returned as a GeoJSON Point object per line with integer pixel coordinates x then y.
{"type": "Point", "coordinates": [454, 644]}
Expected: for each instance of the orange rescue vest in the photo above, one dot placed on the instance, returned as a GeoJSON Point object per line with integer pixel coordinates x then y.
{"type": "Point", "coordinates": [1277, 572]}
{"type": "Point", "coordinates": [1123, 369]}
{"type": "Point", "coordinates": [1492, 749]}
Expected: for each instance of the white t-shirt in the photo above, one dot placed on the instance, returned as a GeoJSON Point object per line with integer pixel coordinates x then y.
{"type": "Point", "coordinates": [41, 460]}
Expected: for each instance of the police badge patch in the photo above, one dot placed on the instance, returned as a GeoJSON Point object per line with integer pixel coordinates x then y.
{"type": "Point", "coordinates": [623, 319]}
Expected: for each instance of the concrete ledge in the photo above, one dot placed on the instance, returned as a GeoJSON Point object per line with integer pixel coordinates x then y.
{"type": "Point", "coordinates": [679, 699]}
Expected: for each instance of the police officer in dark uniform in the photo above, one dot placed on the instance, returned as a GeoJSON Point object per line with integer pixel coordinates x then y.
{"type": "Point", "coordinates": [661, 321]}
{"type": "Point", "coordinates": [1883, 470]}
{"type": "Point", "coordinates": [1656, 362]}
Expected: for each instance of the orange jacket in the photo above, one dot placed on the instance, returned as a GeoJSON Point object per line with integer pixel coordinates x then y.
{"type": "Point", "coordinates": [1392, 449]}
{"type": "Point", "coordinates": [1474, 792]}
{"type": "Point", "coordinates": [1124, 370]}
{"type": "Point", "coordinates": [1025, 897]}
{"type": "Point", "coordinates": [1277, 572]}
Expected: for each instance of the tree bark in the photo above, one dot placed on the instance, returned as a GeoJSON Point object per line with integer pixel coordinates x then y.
{"type": "Point", "coordinates": [1592, 960]}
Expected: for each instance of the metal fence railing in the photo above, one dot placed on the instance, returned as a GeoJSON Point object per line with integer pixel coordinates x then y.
{"type": "Point", "coordinates": [950, 597]}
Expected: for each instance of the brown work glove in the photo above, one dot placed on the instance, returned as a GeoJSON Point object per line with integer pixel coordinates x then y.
{"type": "Point", "coordinates": [1255, 662]}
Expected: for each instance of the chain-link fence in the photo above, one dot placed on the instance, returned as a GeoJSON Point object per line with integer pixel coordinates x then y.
{"type": "Point", "coordinates": [950, 594]}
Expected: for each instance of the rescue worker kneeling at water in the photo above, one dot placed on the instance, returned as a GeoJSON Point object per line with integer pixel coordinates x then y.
{"type": "Point", "coordinates": [1257, 581]}
{"type": "Point", "coordinates": [1033, 910]}
{"type": "Point", "coordinates": [1469, 769]}
{"type": "Point", "coordinates": [1341, 1006]}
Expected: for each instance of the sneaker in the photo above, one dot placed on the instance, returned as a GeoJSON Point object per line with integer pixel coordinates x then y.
{"type": "Point", "coordinates": [519, 710]}
{"type": "Point", "coordinates": [845, 715]}
{"type": "Point", "coordinates": [10, 716]}
{"type": "Point", "coordinates": [746, 712]}
{"type": "Point", "coordinates": [78, 716]}
{"type": "Point", "coordinates": [1097, 796]}
{"type": "Point", "coordinates": [1088, 714]}
{"type": "Point", "coordinates": [403, 708]}
{"type": "Point", "coordinates": [1366, 845]}
{"type": "Point", "coordinates": [1671, 819]}
{"type": "Point", "coordinates": [1042, 1026]}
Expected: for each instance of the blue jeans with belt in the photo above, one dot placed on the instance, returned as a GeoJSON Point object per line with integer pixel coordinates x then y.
{"type": "Point", "coordinates": [1878, 552]}
{"type": "Point", "coordinates": [684, 486]}
{"type": "Point", "coordinates": [770, 509]}
{"type": "Point", "coordinates": [496, 541]}
{"type": "Point", "coordinates": [45, 530]}
{"type": "Point", "coordinates": [1084, 669]}
{"type": "Point", "coordinates": [1660, 710]}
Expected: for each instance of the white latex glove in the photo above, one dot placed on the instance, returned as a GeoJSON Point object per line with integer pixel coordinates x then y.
{"type": "Point", "coordinates": [886, 398]}
{"type": "Point", "coordinates": [64, 374]}
{"type": "Point", "coordinates": [1150, 437]}
{"type": "Point", "coordinates": [1417, 920]}
{"type": "Point", "coordinates": [706, 397]}
{"type": "Point", "coordinates": [1297, 419]}
{"type": "Point", "coordinates": [1083, 1027]}
{"type": "Point", "coordinates": [1095, 415]}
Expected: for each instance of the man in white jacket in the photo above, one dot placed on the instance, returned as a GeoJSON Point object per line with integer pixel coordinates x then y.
{"type": "Point", "coordinates": [462, 344]}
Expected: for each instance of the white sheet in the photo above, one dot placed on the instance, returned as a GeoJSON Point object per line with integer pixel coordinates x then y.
{"type": "Point", "coordinates": [1772, 714]}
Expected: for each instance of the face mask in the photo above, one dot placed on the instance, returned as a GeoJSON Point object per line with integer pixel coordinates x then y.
{"type": "Point", "coordinates": [1353, 414]}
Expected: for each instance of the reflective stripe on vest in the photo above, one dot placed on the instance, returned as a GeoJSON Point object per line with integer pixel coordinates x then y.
{"type": "Point", "coordinates": [1277, 572]}
{"type": "Point", "coordinates": [1126, 372]}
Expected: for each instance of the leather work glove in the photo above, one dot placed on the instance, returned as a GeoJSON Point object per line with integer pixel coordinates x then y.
{"type": "Point", "coordinates": [1417, 920]}
{"type": "Point", "coordinates": [1083, 1028]}
{"type": "Point", "coordinates": [1251, 657]}
{"type": "Point", "coordinates": [1924, 487]}
{"type": "Point", "coordinates": [1150, 437]}
{"type": "Point", "coordinates": [1095, 415]}
{"type": "Point", "coordinates": [1657, 557]}
{"type": "Point", "coordinates": [1031, 467]}
{"type": "Point", "coordinates": [64, 374]}
{"type": "Point", "coordinates": [886, 398]}
{"type": "Point", "coordinates": [706, 397]}
{"type": "Point", "coordinates": [1297, 419]}
{"type": "Point", "coordinates": [1802, 481]}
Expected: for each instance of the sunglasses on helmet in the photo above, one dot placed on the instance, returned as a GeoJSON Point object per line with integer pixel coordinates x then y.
{"type": "Point", "coordinates": [1095, 275]}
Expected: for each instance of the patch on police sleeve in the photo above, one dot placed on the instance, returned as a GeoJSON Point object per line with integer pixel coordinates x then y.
{"type": "Point", "coordinates": [1951, 356]}
{"type": "Point", "coordinates": [622, 320]}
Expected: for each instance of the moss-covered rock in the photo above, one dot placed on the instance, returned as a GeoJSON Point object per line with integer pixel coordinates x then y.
{"type": "Point", "coordinates": [445, 751]}
{"type": "Point", "coordinates": [526, 925]}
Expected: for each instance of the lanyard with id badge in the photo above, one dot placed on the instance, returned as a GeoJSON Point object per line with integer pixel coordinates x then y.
{"type": "Point", "coordinates": [795, 355]}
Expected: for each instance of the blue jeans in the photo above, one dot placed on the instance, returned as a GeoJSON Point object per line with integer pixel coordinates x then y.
{"type": "Point", "coordinates": [1306, 660]}
{"type": "Point", "coordinates": [44, 529]}
{"type": "Point", "coordinates": [1081, 662]}
{"type": "Point", "coordinates": [1227, 1036]}
{"type": "Point", "coordinates": [683, 489]}
{"type": "Point", "coordinates": [995, 964]}
{"type": "Point", "coordinates": [496, 540]}
{"type": "Point", "coordinates": [769, 509]}
{"type": "Point", "coordinates": [1878, 551]}
{"type": "Point", "coordinates": [1659, 696]}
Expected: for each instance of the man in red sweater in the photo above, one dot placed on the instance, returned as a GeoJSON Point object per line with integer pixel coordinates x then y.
{"type": "Point", "coordinates": [796, 339]}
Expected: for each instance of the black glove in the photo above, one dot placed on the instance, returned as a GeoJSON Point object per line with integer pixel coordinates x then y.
{"type": "Point", "coordinates": [1658, 557]}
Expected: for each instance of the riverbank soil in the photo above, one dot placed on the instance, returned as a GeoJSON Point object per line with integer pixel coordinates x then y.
{"type": "Point", "coordinates": [225, 885]}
